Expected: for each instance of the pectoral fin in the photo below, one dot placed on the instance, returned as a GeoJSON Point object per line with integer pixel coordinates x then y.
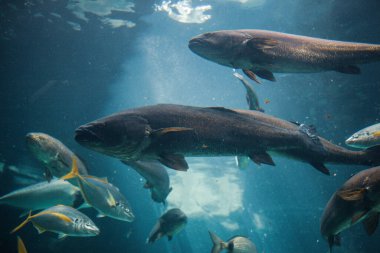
{"type": "Point", "coordinates": [321, 167]}
{"type": "Point", "coordinates": [262, 157]}
{"type": "Point", "coordinates": [261, 43]}
{"type": "Point", "coordinates": [251, 75]}
{"type": "Point", "coordinates": [349, 69]}
{"type": "Point", "coordinates": [39, 228]}
{"type": "Point", "coordinates": [110, 199]}
{"type": "Point", "coordinates": [265, 74]}
{"type": "Point", "coordinates": [352, 195]}
{"type": "Point", "coordinates": [370, 224]}
{"type": "Point", "coordinates": [174, 161]}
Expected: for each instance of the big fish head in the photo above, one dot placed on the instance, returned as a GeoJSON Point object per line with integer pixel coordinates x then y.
{"type": "Point", "coordinates": [121, 136]}
{"type": "Point", "coordinates": [222, 47]}
{"type": "Point", "coordinates": [85, 226]}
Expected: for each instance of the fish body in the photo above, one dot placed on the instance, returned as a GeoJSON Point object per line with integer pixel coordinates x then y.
{"type": "Point", "coordinates": [103, 196]}
{"type": "Point", "coordinates": [44, 195]}
{"type": "Point", "coordinates": [168, 133]}
{"type": "Point", "coordinates": [262, 53]}
{"type": "Point", "coordinates": [365, 138]}
{"type": "Point", "coordinates": [157, 178]}
{"type": "Point", "coordinates": [169, 224]}
{"type": "Point", "coordinates": [237, 244]}
{"type": "Point", "coordinates": [358, 200]}
{"type": "Point", "coordinates": [53, 154]}
{"type": "Point", "coordinates": [64, 220]}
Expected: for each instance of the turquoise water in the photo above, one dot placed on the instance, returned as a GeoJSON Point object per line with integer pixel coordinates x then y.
{"type": "Point", "coordinates": [67, 63]}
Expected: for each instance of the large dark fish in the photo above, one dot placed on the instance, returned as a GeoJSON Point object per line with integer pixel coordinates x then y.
{"type": "Point", "coordinates": [169, 224]}
{"type": "Point", "coordinates": [262, 53]}
{"type": "Point", "coordinates": [157, 178]}
{"type": "Point", "coordinates": [168, 133]}
{"type": "Point", "coordinates": [358, 200]}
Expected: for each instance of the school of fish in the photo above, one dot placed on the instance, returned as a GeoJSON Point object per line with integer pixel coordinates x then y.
{"type": "Point", "coordinates": [148, 138]}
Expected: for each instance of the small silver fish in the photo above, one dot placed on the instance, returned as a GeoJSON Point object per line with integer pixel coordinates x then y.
{"type": "Point", "coordinates": [101, 195]}
{"type": "Point", "coordinates": [44, 195]}
{"type": "Point", "coordinates": [157, 178]}
{"type": "Point", "coordinates": [169, 224]}
{"type": "Point", "coordinates": [365, 138]}
{"type": "Point", "coordinates": [63, 220]}
{"type": "Point", "coordinates": [237, 244]}
{"type": "Point", "coordinates": [53, 154]}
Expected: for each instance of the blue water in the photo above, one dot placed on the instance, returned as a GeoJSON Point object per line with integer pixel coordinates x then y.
{"type": "Point", "coordinates": [56, 76]}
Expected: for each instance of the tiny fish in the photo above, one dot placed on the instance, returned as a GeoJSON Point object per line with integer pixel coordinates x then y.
{"type": "Point", "coordinates": [237, 244]}
{"type": "Point", "coordinates": [63, 220]}
{"type": "Point", "coordinates": [101, 195]}
{"type": "Point", "coordinates": [169, 224]}
{"type": "Point", "coordinates": [53, 154]}
{"type": "Point", "coordinates": [365, 138]}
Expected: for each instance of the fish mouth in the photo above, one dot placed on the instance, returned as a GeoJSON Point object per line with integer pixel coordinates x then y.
{"type": "Point", "coordinates": [130, 217]}
{"type": "Point", "coordinates": [31, 138]}
{"type": "Point", "coordinates": [95, 231]}
{"type": "Point", "coordinates": [196, 45]}
{"type": "Point", "coordinates": [84, 135]}
{"type": "Point", "coordinates": [349, 141]}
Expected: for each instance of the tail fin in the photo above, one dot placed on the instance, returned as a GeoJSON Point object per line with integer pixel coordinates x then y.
{"type": "Point", "coordinates": [219, 244]}
{"type": "Point", "coordinates": [74, 171]}
{"type": "Point", "coordinates": [333, 240]}
{"type": "Point", "coordinates": [20, 245]}
{"type": "Point", "coordinates": [23, 223]}
{"type": "Point", "coordinates": [373, 155]}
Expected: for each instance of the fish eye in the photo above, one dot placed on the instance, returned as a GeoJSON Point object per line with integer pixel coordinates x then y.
{"type": "Point", "coordinates": [76, 220]}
